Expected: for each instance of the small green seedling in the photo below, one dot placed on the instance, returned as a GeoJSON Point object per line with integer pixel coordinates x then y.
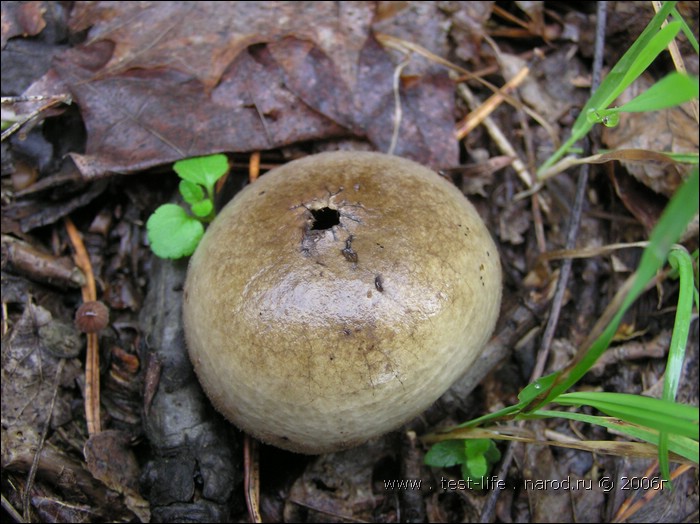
{"type": "Point", "coordinates": [172, 232]}
{"type": "Point", "coordinates": [475, 456]}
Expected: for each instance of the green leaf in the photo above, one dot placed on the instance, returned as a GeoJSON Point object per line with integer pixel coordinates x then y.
{"type": "Point", "coordinates": [476, 468]}
{"type": "Point", "coordinates": [474, 455]}
{"type": "Point", "coordinates": [172, 232]}
{"type": "Point", "coordinates": [203, 170]}
{"type": "Point", "coordinates": [611, 120]}
{"type": "Point", "coordinates": [477, 447]}
{"type": "Point", "coordinates": [482, 453]}
{"type": "Point", "coordinates": [203, 208]}
{"type": "Point", "coordinates": [672, 90]}
{"type": "Point", "coordinates": [687, 31]}
{"type": "Point", "coordinates": [446, 454]}
{"type": "Point", "coordinates": [492, 454]}
{"type": "Point", "coordinates": [682, 263]}
{"type": "Point", "coordinates": [191, 192]}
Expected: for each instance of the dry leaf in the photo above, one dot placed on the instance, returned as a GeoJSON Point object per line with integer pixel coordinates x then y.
{"type": "Point", "coordinates": [159, 81]}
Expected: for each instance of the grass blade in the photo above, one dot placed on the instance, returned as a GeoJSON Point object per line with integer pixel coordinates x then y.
{"type": "Point", "coordinates": [672, 90]}
{"type": "Point", "coordinates": [682, 446]}
{"type": "Point", "coordinates": [655, 413]}
{"type": "Point", "coordinates": [620, 76]}
{"type": "Point", "coordinates": [678, 213]}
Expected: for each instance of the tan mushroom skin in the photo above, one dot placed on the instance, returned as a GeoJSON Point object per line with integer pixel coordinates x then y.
{"type": "Point", "coordinates": [337, 297]}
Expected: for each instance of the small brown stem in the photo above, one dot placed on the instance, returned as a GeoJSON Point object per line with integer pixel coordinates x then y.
{"type": "Point", "coordinates": [251, 477]}
{"type": "Point", "coordinates": [92, 360]}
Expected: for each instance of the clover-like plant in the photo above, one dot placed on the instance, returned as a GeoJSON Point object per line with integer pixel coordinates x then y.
{"type": "Point", "coordinates": [172, 231]}
{"type": "Point", "coordinates": [474, 456]}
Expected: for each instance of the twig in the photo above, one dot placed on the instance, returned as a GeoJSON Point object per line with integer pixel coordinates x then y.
{"type": "Point", "coordinates": [576, 212]}
{"type": "Point", "coordinates": [251, 477]}
{"type": "Point", "coordinates": [11, 510]}
{"type": "Point", "coordinates": [498, 136]}
{"type": "Point", "coordinates": [627, 509]}
{"type": "Point", "coordinates": [5, 325]}
{"type": "Point", "coordinates": [474, 118]}
{"type": "Point", "coordinates": [591, 251]}
{"type": "Point", "coordinates": [458, 74]}
{"type": "Point", "coordinates": [489, 506]}
{"type": "Point", "coordinates": [92, 360]}
{"type": "Point", "coordinates": [536, 205]}
{"type": "Point", "coordinates": [677, 60]}
{"type": "Point", "coordinates": [52, 101]}
{"type": "Point", "coordinates": [398, 113]}
{"type": "Point", "coordinates": [254, 166]}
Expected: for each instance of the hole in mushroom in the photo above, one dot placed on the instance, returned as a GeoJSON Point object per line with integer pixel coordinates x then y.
{"type": "Point", "coordinates": [325, 218]}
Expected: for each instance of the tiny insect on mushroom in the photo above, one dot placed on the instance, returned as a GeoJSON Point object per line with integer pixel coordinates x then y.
{"type": "Point", "coordinates": [337, 297]}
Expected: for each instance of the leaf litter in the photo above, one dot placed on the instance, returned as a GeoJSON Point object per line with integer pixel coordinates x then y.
{"type": "Point", "coordinates": [160, 81]}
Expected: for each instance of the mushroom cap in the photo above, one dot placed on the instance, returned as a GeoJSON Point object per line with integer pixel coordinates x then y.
{"type": "Point", "coordinates": [338, 297]}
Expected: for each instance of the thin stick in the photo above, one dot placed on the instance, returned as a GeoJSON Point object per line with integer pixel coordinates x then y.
{"type": "Point", "coordinates": [460, 73]}
{"type": "Point", "coordinates": [677, 59]}
{"type": "Point", "coordinates": [498, 136]}
{"type": "Point", "coordinates": [489, 507]}
{"type": "Point", "coordinates": [92, 360]}
{"type": "Point", "coordinates": [52, 101]}
{"type": "Point", "coordinates": [576, 212]}
{"type": "Point", "coordinates": [254, 166]}
{"type": "Point", "coordinates": [474, 118]}
{"type": "Point", "coordinates": [398, 113]}
{"type": "Point", "coordinates": [627, 509]}
{"type": "Point", "coordinates": [251, 477]}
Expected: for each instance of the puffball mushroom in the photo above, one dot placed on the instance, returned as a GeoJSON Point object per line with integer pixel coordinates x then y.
{"type": "Point", "coordinates": [337, 297]}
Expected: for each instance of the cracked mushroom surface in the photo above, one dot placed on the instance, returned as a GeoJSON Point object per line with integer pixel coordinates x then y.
{"type": "Point", "coordinates": [337, 297]}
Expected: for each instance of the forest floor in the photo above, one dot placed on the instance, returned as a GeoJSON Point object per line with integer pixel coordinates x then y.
{"type": "Point", "coordinates": [118, 91]}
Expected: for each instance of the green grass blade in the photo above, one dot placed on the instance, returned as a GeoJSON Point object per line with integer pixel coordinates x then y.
{"type": "Point", "coordinates": [664, 462]}
{"type": "Point", "coordinates": [620, 76]}
{"type": "Point", "coordinates": [654, 413]}
{"type": "Point", "coordinates": [496, 415]}
{"type": "Point", "coordinates": [680, 261]}
{"type": "Point", "coordinates": [678, 213]}
{"type": "Point", "coordinates": [672, 90]}
{"type": "Point", "coordinates": [682, 446]}
{"type": "Point", "coordinates": [686, 30]}
{"type": "Point", "coordinates": [646, 56]}
{"type": "Point", "coordinates": [684, 158]}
